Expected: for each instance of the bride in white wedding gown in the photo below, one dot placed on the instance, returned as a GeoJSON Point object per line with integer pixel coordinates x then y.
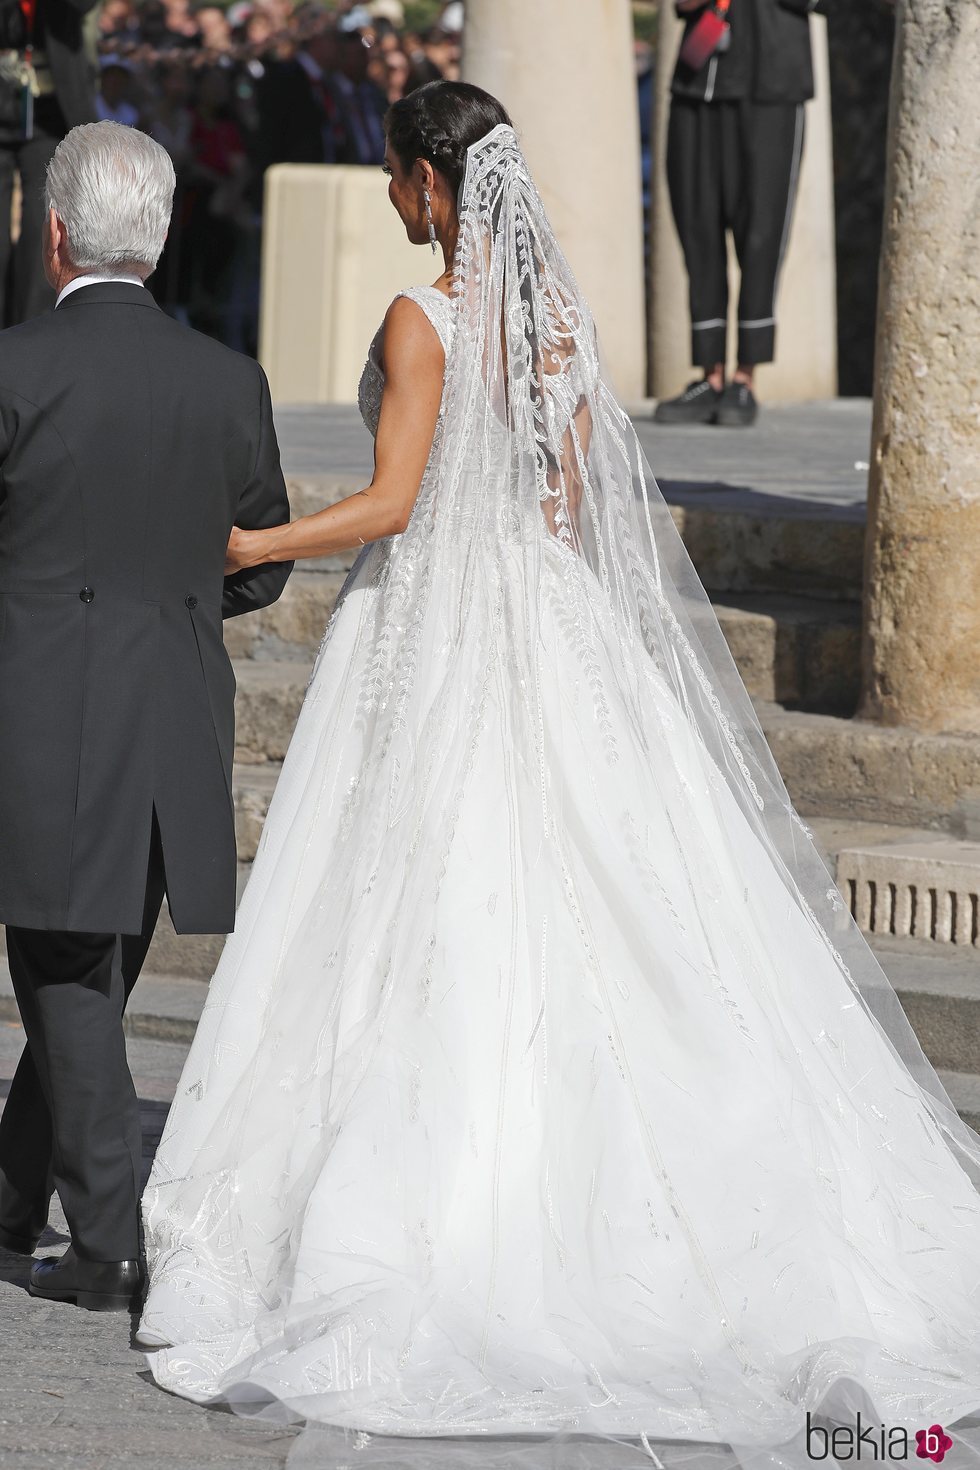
{"type": "Point", "coordinates": [547, 1100]}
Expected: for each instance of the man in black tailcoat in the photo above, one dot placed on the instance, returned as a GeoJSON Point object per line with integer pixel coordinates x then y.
{"type": "Point", "coordinates": [129, 446]}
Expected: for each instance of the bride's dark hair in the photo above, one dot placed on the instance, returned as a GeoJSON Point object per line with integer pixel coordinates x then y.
{"type": "Point", "coordinates": [439, 122]}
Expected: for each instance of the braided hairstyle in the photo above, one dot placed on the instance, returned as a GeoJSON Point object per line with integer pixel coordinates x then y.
{"type": "Point", "coordinates": [439, 122]}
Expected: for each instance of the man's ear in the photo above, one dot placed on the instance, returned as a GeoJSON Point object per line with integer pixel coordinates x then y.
{"type": "Point", "coordinates": [56, 234]}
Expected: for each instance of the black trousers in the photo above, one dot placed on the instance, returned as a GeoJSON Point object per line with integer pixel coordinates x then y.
{"type": "Point", "coordinates": [24, 291]}
{"type": "Point", "coordinates": [733, 165]}
{"type": "Point", "coordinates": [71, 1120]}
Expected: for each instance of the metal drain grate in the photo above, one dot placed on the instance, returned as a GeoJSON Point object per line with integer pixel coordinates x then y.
{"type": "Point", "coordinates": [921, 891]}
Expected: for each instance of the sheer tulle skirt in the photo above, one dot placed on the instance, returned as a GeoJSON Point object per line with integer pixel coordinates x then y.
{"type": "Point", "coordinates": [537, 1105]}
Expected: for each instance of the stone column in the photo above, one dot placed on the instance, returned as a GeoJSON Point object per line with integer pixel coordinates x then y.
{"type": "Point", "coordinates": [564, 70]}
{"type": "Point", "coordinates": [921, 665]}
{"type": "Point", "coordinates": [806, 331]}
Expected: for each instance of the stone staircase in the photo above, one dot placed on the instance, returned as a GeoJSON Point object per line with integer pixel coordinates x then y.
{"type": "Point", "coordinates": [786, 588]}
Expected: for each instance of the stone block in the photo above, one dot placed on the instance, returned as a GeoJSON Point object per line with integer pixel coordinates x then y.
{"type": "Point", "coordinates": [266, 707]}
{"type": "Point", "coordinates": [923, 889]}
{"type": "Point", "coordinates": [316, 323]}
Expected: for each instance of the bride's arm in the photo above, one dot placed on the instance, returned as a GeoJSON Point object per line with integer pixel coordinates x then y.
{"type": "Point", "coordinates": [414, 364]}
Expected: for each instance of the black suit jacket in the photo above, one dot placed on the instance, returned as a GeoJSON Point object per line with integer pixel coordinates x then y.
{"type": "Point", "coordinates": [129, 446]}
{"type": "Point", "coordinates": [292, 120]}
{"type": "Point", "coordinates": [769, 58]}
{"type": "Point", "coordinates": [72, 69]}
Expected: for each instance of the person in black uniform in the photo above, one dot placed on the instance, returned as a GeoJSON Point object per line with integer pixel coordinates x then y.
{"type": "Point", "coordinates": [42, 55]}
{"type": "Point", "coordinates": [734, 146]}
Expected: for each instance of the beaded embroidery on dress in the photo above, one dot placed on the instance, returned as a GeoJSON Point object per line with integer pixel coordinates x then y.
{"type": "Point", "coordinates": [546, 1087]}
{"type": "Point", "coordinates": [439, 309]}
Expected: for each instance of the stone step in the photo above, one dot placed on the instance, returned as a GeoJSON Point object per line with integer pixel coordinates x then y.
{"type": "Point", "coordinates": [855, 770]}
{"type": "Point", "coordinates": [292, 627]}
{"type": "Point", "coordinates": [964, 1092]}
{"type": "Point", "coordinates": [270, 693]}
{"type": "Point", "coordinates": [772, 547]}
{"type": "Point", "coordinates": [739, 541]}
{"type": "Point", "coordinates": [252, 788]}
{"type": "Point", "coordinates": [161, 1008]}
{"type": "Point", "coordinates": [940, 997]}
{"type": "Point", "coordinates": [832, 766]}
{"type": "Point", "coordinates": [799, 651]}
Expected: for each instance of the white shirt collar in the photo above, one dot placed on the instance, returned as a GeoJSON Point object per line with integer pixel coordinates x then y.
{"type": "Point", "coordinates": [90, 280]}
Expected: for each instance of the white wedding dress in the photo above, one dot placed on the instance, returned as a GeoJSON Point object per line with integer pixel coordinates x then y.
{"type": "Point", "coordinates": [531, 1096]}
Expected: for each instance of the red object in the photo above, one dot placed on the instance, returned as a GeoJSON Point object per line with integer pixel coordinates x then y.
{"type": "Point", "coordinates": [703, 37]}
{"type": "Point", "coordinates": [217, 143]}
{"type": "Point", "coordinates": [27, 9]}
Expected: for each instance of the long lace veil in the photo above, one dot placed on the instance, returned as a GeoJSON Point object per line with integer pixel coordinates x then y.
{"type": "Point", "coordinates": [487, 941]}
{"type": "Point", "coordinates": [529, 405]}
{"type": "Point", "coordinates": [539, 504]}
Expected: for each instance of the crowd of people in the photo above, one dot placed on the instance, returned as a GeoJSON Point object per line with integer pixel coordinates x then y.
{"type": "Point", "coordinates": [231, 91]}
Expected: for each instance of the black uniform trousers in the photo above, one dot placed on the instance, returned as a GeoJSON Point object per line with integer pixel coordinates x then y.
{"type": "Point", "coordinates": [733, 165]}
{"type": "Point", "coordinates": [71, 1119]}
{"type": "Point", "coordinates": [24, 290]}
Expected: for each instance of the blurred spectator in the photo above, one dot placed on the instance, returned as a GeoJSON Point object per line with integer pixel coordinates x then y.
{"type": "Point", "coordinates": [443, 52]}
{"type": "Point", "coordinates": [643, 55]}
{"type": "Point", "coordinates": [217, 212]}
{"type": "Point", "coordinates": [181, 22]}
{"type": "Point", "coordinates": [156, 33]}
{"type": "Point", "coordinates": [361, 105]}
{"type": "Point", "coordinates": [31, 126]}
{"type": "Point", "coordinates": [213, 28]}
{"type": "Point", "coordinates": [115, 102]}
{"type": "Point", "coordinates": [386, 37]}
{"type": "Point", "coordinates": [298, 112]}
{"type": "Point", "coordinates": [119, 22]}
{"type": "Point", "coordinates": [171, 124]}
{"type": "Point", "coordinates": [171, 120]}
{"type": "Point", "coordinates": [423, 70]}
{"type": "Point", "coordinates": [391, 12]}
{"type": "Point", "coordinates": [231, 91]}
{"type": "Point", "coordinates": [398, 74]}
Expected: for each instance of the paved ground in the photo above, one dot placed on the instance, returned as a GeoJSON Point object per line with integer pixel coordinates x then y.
{"type": "Point", "coordinates": [76, 1395]}
{"type": "Point", "coordinates": [803, 458]}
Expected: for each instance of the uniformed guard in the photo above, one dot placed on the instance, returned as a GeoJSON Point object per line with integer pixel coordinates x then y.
{"type": "Point", "coordinates": [734, 147]}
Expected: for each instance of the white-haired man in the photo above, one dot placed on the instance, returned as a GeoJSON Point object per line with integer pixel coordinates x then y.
{"type": "Point", "coordinates": [129, 446]}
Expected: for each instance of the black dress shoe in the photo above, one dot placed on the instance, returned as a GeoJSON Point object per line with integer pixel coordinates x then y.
{"type": "Point", "coordinates": [698, 404]}
{"type": "Point", "coordinates": [99, 1286]}
{"type": "Point", "coordinates": [737, 407]}
{"type": "Point", "coordinates": [19, 1245]}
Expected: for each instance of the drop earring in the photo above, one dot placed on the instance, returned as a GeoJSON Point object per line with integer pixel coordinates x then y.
{"type": "Point", "coordinates": [429, 221]}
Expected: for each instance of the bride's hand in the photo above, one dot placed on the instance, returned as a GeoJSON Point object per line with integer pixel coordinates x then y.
{"type": "Point", "coordinates": [242, 550]}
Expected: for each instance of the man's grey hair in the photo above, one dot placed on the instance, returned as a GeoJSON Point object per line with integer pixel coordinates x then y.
{"type": "Point", "coordinates": [112, 187]}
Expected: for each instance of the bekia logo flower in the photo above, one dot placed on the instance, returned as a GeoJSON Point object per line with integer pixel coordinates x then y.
{"type": "Point", "coordinates": [932, 1443]}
